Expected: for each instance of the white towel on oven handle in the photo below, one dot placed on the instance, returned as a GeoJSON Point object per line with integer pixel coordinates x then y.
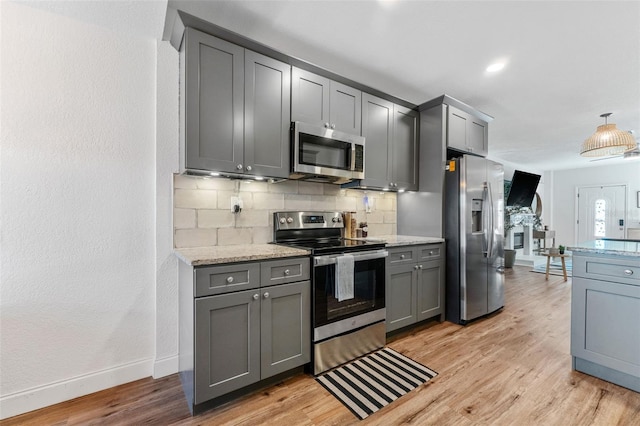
{"type": "Point", "coordinates": [344, 277]}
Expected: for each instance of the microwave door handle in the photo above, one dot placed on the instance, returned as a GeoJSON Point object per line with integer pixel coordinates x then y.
{"type": "Point", "coordinates": [353, 157]}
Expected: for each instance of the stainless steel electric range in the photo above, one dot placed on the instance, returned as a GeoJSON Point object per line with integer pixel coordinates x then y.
{"type": "Point", "coordinates": [348, 286]}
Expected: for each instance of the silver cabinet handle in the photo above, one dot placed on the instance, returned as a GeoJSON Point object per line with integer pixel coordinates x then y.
{"type": "Point", "coordinates": [256, 296]}
{"type": "Point", "coordinates": [248, 168]}
{"type": "Point", "coordinates": [326, 125]}
{"type": "Point", "coordinates": [402, 256]}
{"type": "Point", "coordinates": [415, 267]}
{"type": "Point", "coordinates": [628, 272]}
{"type": "Point", "coordinates": [239, 167]}
{"type": "Point", "coordinates": [266, 295]}
{"type": "Point", "coordinates": [229, 280]}
{"type": "Point", "coordinates": [431, 253]}
{"type": "Point", "coordinates": [333, 126]}
{"type": "Point", "coordinates": [287, 272]}
{"type": "Point", "coordinates": [419, 266]}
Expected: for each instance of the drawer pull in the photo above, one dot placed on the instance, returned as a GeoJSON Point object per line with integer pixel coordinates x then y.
{"type": "Point", "coordinates": [415, 267]}
{"type": "Point", "coordinates": [402, 256]}
{"type": "Point", "coordinates": [266, 295]}
{"type": "Point", "coordinates": [419, 266]}
{"type": "Point", "coordinates": [256, 296]}
{"type": "Point", "coordinates": [287, 272]}
{"type": "Point", "coordinates": [431, 253]}
{"type": "Point", "coordinates": [229, 280]}
{"type": "Point", "coordinates": [628, 272]}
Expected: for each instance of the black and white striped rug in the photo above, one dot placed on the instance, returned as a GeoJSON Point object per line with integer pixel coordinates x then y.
{"type": "Point", "coordinates": [367, 384]}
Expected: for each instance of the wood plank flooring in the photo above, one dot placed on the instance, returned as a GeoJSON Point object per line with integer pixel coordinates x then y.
{"type": "Point", "coordinates": [512, 368]}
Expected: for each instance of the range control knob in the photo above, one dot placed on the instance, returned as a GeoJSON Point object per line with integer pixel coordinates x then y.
{"type": "Point", "coordinates": [289, 220]}
{"type": "Point", "coordinates": [283, 220]}
{"type": "Point", "coordinates": [336, 219]}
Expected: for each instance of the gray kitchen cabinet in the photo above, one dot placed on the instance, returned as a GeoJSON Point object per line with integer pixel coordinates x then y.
{"type": "Point", "coordinates": [414, 285]}
{"type": "Point", "coordinates": [285, 327]}
{"type": "Point", "coordinates": [235, 110]}
{"type": "Point", "coordinates": [466, 132]}
{"type": "Point", "coordinates": [325, 103]}
{"type": "Point", "coordinates": [232, 337]}
{"type": "Point", "coordinates": [391, 135]}
{"type": "Point", "coordinates": [605, 313]}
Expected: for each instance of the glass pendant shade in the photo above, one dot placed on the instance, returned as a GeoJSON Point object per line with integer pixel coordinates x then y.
{"type": "Point", "coordinates": [607, 140]}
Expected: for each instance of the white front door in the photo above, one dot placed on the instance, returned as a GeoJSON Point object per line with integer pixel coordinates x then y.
{"type": "Point", "coordinates": [601, 212]}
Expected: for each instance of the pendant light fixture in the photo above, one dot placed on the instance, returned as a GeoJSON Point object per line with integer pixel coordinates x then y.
{"type": "Point", "coordinates": [607, 140]}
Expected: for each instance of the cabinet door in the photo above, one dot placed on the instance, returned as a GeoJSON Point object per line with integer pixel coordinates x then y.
{"type": "Point", "coordinates": [400, 296]}
{"type": "Point", "coordinates": [405, 148]}
{"type": "Point", "coordinates": [214, 84]}
{"type": "Point", "coordinates": [285, 327]}
{"type": "Point", "coordinates": [267, 113]}
{"type": "Point", "coordinates": [345, 108]}
{"type": "Point", "coordinates": [466, 133]}
{"type": "Point", "coordinates": [377, 128]}
{"type": "Point", "coordinates": [604, 324]}
{"type": "Point", "coordinates": [430, 293]}
{"type": "Point", "coordinates": [309, 97]}
{"type": "Point", "coordinates": [227, 343]}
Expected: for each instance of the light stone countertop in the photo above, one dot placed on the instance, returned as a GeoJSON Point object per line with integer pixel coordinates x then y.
{"type": "Point", "coordinates": [404, 240]}
{"type": "Point", "coordinates": [618, 248]}
{"type": "Point", "coordinates": [238, 253]}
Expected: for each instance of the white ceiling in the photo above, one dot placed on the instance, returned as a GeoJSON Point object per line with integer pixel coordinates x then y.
{"type": "Point", "coordinates": [567, 62]}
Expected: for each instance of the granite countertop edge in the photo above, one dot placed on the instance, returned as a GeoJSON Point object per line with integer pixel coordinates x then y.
{"type": "Point", "coordinates": [199, 256]}
{"type": "Point", "coordinates": [605, 247]}
{"type": "Point", "coordinates": [404, 240]}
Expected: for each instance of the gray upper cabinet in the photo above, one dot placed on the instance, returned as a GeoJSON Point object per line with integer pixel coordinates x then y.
{"type": "Point", "coordinates": [466, 133]}
{"type": "Point", "coordinates": [236, 108]}
{"type": "Point", "coordinates": [324, 102]}
{"type": "Point", "coordinates": [404, 158]}
{"type": "Point", "coordinates": [391, 134]}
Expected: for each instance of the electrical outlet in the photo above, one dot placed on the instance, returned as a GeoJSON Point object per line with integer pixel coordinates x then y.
{"type": "Point", "coordinates": [236, 205]}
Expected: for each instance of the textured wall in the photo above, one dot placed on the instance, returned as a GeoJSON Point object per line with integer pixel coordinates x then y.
{"type": "Point", "coordinates": [77, 212]}
{"type": "Point", "coordinates": [202, 208]}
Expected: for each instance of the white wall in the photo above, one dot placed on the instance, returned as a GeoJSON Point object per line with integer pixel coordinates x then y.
{"type": "Point", "coordinates": [77, 180]}
{"type": "Point", "coordinates": [565, 183]}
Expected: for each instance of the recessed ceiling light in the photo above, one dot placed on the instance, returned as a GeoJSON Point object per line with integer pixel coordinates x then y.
{"type": "Point", "coordinates": [495, 67]}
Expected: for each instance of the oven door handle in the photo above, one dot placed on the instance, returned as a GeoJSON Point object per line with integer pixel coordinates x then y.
{"type": "Point", "coordinates": [357, 257]}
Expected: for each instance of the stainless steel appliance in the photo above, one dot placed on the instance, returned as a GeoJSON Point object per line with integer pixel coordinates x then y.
{"type": "Point", "coordinates": [474, 206]}
{"type": "Point", "coordinates": [348, 315]}
{"type": "Point", "coordinates": [325, 155]}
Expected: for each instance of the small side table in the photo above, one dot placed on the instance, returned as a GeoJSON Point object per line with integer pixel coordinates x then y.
{"type": "Point", "coordinates": [564, 266]}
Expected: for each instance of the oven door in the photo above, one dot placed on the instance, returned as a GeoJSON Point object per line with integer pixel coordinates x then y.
{"type": "Point", "coordinates": [331, 316]}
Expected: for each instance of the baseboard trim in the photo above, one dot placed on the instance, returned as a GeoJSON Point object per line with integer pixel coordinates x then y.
{"type": "Point", "coordinates": [54, 393]}
{"type": "Point", "coordinates": [165, 366]}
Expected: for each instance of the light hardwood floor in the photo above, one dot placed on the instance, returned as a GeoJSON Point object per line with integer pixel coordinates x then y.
{"type": "Point", "coordinates": [512, 368]}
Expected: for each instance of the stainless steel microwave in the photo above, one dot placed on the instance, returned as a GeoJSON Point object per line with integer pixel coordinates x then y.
{"type": "Point", "coordinates": [324, 154]}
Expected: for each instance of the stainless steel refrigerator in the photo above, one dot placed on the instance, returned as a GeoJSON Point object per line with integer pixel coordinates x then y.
{"type": "Point", "coordinates": [473, 222]}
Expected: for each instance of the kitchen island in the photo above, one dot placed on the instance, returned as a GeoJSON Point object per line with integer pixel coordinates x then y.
{"type": "Point", "coordinates": [605, 311]}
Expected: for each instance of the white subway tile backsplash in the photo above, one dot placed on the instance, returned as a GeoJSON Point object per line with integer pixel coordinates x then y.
{"type": "Point", "coordinates": [215, 218]}
{"type": "Point", "coordinates": [184, 218]}
{"type": "Point", "coordinates": [250, 218]}
{"type": "Point", "coordinates": [232, 236]}
{"type": "Point", "coordinates": [202, 208]}
{"type": "Point", "coordinates": [195, 198]}
{"type": "Point", "coordinates": [185, 238]}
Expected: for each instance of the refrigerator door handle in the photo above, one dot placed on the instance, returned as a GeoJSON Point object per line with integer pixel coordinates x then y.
{"type": "Point", "coordinates": [485, 220]}
{"type": "Point", "coordinates": [491, 219]}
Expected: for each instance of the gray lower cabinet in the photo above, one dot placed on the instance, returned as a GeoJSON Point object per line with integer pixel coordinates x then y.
{"type": "Point", "coordinates": [467, 133]}
{"type": "Point", "coordinates": [605, 318]}
{"type": "Point", "coordinates": [259, 327]}
{"type": "Point", "coordinates": [414, 285]}
{"type": "Point", "coordinates": [324, 102]}
{"type": "Point", "coordinates": [392, 130]}
{"type": "Point", "coordinates": [235, 106]}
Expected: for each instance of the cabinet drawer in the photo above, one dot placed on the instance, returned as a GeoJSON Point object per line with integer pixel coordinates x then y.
{"type": "Point", "coordinates": [430, 252]}
{"type": "Point", "coordinates": [401, 255]}
{"type": "Point", "coordinates": [227, 278]}
{"type": "Point", "coordinates": [285, 271]}
{"type": "Point", "coordinates": [622, 270]}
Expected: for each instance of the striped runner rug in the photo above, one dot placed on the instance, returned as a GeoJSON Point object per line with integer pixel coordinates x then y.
{"type": "Point", "coordinates": [367, 384]}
